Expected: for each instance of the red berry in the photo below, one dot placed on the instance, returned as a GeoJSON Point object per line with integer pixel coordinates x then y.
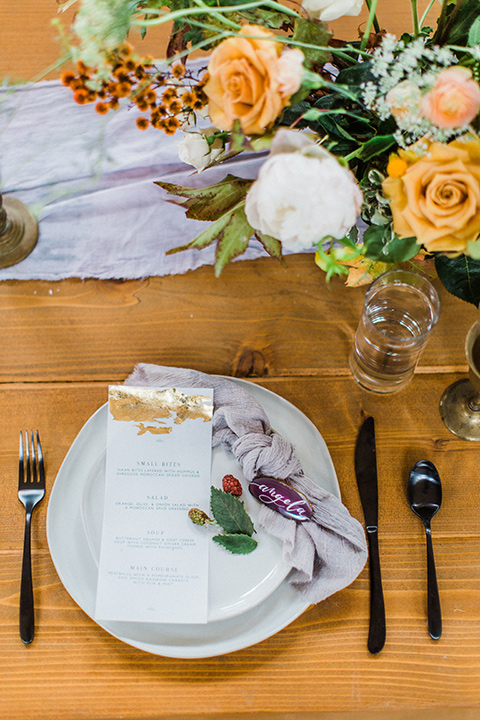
{"type": "Point", "coordinates": [231, 485]}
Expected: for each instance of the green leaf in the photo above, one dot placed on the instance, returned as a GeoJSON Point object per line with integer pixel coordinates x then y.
{"type": "Point", "coordinates": [212, 202]}
{"type": "Point", "coordinates": [356, 75]}
{"type": "Point", "coordinates": [271, 245]}
{"type": "Point", "coordinates": [461, 277]}
{"type": "Point", "coordinates": [474, 33]}
{"type": "Point", "coordinates": [205, 238]}
{"type": "Point", "coordinates": [315, 113]}
{"type": "Point", "coordinates": [473, 249]}
{"type": "Point", "coordinates": [381, 245]}
{"type": "Point", "coordinates": [376, 146]}
{"type": "Point", "coordinates": [268, 18]}
{"type": "Point", "coordinates": [312, 32]}
{"type": "Point", "coordinates": [232, 239]}
{"type": "Point", "coordinates": [232, 233]}
{"type": "Point", "coordinates": [238, 544]}
{"type": "Point", "coordinates": [230, 512]}
{"type": "Point", "coordinates": [455, 22]}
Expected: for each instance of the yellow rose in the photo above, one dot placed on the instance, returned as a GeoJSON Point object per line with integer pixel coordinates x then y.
{"type": "Point", "coordinates": [437, 199]}
{"type": "Point", "coordinates": [244, 82]}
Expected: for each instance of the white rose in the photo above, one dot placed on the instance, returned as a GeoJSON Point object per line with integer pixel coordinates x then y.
{"type": "Point", "coordinates": [290, 72]}
{"type": "Point", "coordinates": [195, 150]}
{"type": "Point", "coordinates": [302, 194]}
{"type": "Point", "coordinates": [328, 10]}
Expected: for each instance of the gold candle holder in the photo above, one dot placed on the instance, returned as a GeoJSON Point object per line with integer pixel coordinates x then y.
{"type": "Point", "coordinates": [18, 231]}
{"type": "Point", "coordinates": [460, 403]}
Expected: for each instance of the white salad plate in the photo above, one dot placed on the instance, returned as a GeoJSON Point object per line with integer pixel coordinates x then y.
{"type": "Point", "coordinates": [250, 598]}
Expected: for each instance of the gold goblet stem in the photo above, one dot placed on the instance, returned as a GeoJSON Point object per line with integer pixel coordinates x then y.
{"type": "Point", "coordinates": [460, 403]}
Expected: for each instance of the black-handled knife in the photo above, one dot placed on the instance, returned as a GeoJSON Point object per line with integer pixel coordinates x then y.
{"type": "Point", "coordinates": [366, 472]}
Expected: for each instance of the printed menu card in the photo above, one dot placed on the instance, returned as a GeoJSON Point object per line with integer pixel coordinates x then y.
{"type": "Point", "coordinates": [153, 560]}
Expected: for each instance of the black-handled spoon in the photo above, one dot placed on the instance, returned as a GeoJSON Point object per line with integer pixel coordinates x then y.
{"type": "Point", "coordinates": [425, 498]}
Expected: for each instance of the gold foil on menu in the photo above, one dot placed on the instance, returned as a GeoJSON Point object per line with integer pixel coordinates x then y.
{"type": "Point", "coordinates": [142, 405]}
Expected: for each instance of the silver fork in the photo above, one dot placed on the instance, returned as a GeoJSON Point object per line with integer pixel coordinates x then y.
{"type": "Point", "coordinates": [31, 489]}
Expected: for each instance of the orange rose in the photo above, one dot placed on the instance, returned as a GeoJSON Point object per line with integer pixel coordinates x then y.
{"type": "Point", "coordinates": [437, 199]}
{"type": "Point", "coordinates": [454, 101]}
{"type": "Point", "coordinates": [244, 82]}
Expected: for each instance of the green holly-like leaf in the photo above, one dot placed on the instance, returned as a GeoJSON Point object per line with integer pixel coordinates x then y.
{"type": "Point", "coordinates": [230, 513]}
{"type": "Point", "coordinates": [232, 233]}
{"type": "Point", "coordinates": [238, 544]}
{"type": "Point", "coordinates": [461, 277]}
{"type": "Point", "coordinates": [271, 245]}
{"type": "Point", "coordinates": [212, 202]}
{"type": "Point", "coordinates": [206, 238]}
{"type": "Point", "coordinates": [233, 239]}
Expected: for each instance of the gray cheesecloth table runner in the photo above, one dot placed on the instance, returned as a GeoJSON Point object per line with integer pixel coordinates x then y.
{"type": "Point", "coordinates": [89, 179]}
{"type": "Point", "coordinates": [328, 551]}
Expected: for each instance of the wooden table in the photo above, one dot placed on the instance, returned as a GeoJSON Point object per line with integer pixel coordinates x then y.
{"type": "Point", "coordinates": [282, 327]}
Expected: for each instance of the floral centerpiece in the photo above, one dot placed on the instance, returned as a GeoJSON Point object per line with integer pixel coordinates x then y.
{"type": "Point", "coordinates": [370, 148]}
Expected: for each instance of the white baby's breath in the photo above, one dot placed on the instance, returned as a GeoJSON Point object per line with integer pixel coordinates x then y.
{"type": "Point", "coordinates": [101, 26]}
{"type": "Point", "coordinates": [396, 63]}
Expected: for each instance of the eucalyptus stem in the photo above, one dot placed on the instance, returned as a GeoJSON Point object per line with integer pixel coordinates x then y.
{"type": "Point", "coordinates": [371, 17]}
{"type": "Point", "coordinates": [416, 28]}
{"type": "Point", "coordinates": [205, 9]}
{"type": "Point", "coordinates": [341, 53]}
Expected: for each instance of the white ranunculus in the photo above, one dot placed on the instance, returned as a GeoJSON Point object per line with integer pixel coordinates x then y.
{"type": "Point", "coordinates": [328, 10]}
{"type": "Point", "coordinates": [195, 150]}
{"type": "Point", "coordinates": [302, 194]}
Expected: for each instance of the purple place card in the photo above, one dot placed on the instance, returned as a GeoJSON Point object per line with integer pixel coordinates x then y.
{"type": "Point", "coordinates": [281, 497]}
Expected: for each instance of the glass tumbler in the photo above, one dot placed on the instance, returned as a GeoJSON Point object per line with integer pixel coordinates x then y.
{"type": "Point", "coordinates": [401, 309]}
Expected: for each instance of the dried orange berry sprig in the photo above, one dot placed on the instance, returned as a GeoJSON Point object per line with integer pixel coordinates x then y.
{"type": "Point", "coordinates": [167, 97]}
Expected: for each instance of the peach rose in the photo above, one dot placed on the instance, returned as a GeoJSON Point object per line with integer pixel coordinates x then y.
{"type": "Point", "coordinates": [437, 199]}
{"type": "Point", "coordinates": [244, 82]}
{"type": "Point", "coordinates": [454, 100]}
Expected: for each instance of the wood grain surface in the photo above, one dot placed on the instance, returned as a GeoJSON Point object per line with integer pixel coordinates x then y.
{"type": "Point", "coordinates": [66, 341]}
{"type": "Point", "coordinates": [61, 344]}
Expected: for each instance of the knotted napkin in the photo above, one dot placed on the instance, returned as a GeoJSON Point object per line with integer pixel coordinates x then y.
{"type": "Point", "coordinates": [326, 552]}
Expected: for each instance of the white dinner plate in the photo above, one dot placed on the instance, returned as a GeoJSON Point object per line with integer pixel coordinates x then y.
{"type": "Point", "coordinates": [247, 605]}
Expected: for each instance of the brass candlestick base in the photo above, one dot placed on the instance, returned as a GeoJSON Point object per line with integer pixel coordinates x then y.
{"type": "Point", "coordinates": [18, 231]}
{"type": "Point", "coordinates": [460, 403]}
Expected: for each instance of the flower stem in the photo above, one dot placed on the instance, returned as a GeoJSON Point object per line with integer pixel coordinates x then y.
{"type": "Point", "coordinates": [427, 10]}
{"type": "Point", "coordinates": [352, 155]}
{"type": "Point", "coordinates": [376, 24]}
{"type": "Point", "coordinates": [372, 7]}
{"type": "Point", "coordinates": [416, 28]}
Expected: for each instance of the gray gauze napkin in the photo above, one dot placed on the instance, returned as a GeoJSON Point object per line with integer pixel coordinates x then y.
{"type": "Point", "coordinates": [328, 551]}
